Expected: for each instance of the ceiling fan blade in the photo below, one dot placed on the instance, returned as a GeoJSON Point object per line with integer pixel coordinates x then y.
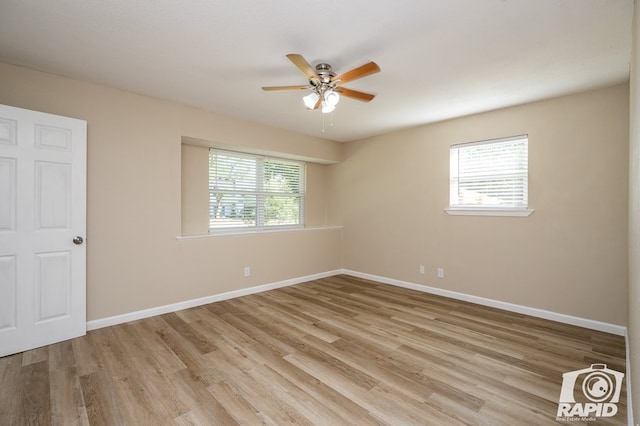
{"type": "Point", "coordinates": [361, 71]}
{"type": "Point", "coordinates": [303, 66]}
{"type": "Point", "coordinates": [317, 105]}
{"type": "Point", "coordinates": [276, 88]}
{"type": "Point", "coordinates": [355, 94]}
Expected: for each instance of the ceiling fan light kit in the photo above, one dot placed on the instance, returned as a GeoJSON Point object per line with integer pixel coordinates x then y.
{"type": "Point", "coordinates": [331, 97]}
{"type": "Point", "coordinates": [326, 108]}
{"type": "Point", "coordinates": [311, 99]}
{"type": "Point", "coordinates": [325, 85]}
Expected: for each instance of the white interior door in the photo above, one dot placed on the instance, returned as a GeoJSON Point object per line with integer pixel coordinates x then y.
{"type": "Point", "coordinates": [42, 229]}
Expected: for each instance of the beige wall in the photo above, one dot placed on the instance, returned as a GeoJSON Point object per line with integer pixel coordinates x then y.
{"type": "Point", "coordinates": [569, 256]}
{"type": "Point", "coordinates": [195, 189]}
{"type": "Point", "coordinates": [134, 260]}
{"type": "Point", "coordinates": [633, 330]}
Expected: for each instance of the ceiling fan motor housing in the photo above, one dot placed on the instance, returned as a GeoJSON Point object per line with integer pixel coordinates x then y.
{"type": "Point", "coordinates": [325, 73]}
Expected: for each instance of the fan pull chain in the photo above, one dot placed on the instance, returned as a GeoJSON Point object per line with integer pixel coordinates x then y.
{"type": "Point", "coordinates": [330, 121]}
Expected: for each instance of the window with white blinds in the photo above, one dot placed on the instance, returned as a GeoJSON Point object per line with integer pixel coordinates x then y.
{"type": "Point", "coordinates": [490, 174]}
{"type": "Point", "coordinates": [254, 192]}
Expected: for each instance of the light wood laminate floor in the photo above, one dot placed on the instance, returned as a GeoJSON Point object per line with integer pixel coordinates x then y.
{"type": "Point", "coordinates": [334, 351]}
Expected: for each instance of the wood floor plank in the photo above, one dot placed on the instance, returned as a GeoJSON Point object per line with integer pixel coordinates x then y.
{"type": "Point", "coordinates": [10, 395]}
{"type": "Point", "coordinates": [270, 342]}
{"type": "Point", "coordinates": [111, 352]}
{"type": "Point", "coordinates": [67, 400]}
{"type": "Point", "coordinates": [196, 364]}
{"type": "Point", "coordinates": [34, 389]}
{"type": "Point", "coordinates": [348, 411]}
{"type": "Point", "coordinates": [85, 356]}
{"type": "Point", "coordinates": [61, 355]}
{"type": "Point", "coordinates": [196, 339]}
{"type": "Point", "coordinates": [35, 355]}
{"type": "Point", "coordinates": [235, 404]}
{"type": "Point", "coordinates": [202, 403]}
{"type": "Point", "coordinates": [375, 363]}
{"type": "Point", "coordinates": [136, 403]}
{"type": "Point", "coordinates": [339, 350]}
{"type": "Point", "coordinates": [100, 400]}
{"type": "Point", "coordinates": [296, 398]}
{"type": "Point", "coordinates": [269, 405]}
{"type": "Point", "coordinates": [153, 349]}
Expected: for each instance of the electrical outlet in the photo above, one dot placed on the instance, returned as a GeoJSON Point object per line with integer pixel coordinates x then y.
{"type": "Point", "coordinates": [440, 273]}
{"type": "Point", "coordinates": [421, 269]}
{"type": "Point", "coordinates": [247, 271]}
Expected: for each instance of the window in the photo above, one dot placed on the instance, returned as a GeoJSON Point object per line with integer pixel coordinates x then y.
{"type": "Point", "coordinates": [251, 192]}
{"type": "Point", "coordinates": [489, 175]}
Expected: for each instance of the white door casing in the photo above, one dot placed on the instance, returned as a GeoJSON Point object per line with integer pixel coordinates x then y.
{"type": "Point", "coordinates": [42, 211]}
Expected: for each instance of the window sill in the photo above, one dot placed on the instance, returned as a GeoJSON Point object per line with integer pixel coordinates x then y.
{"type": "Point", "coordinates": [257, 231]}
{"type": "Point", "coordinates": [460, 211]}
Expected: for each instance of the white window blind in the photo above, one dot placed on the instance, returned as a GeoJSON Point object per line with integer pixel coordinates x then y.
{"type": "Point", "coordinates": [254, 192]}
{"type": "Point", "coordinates": [490, 174]}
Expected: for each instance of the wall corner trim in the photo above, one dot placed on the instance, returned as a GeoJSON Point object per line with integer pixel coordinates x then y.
{"type": "Point", "coordinates": [627, 376]}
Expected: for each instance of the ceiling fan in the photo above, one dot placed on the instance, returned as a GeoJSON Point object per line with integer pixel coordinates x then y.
{"type": "Point", "coordinates": [326, 85]}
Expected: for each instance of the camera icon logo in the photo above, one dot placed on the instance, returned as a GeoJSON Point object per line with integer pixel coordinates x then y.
{"type": "Point", "coordinates": [592, 391]}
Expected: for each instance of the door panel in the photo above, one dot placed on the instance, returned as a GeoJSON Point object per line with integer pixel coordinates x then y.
{"type": "Point", "coordinates": [53, 138]}
{"type": "Point", "coordinates": [8, 290]}
{"type": "Point", "coordinates": [52, 197]}
{"type": "Point", "coordinates": [8, 192]}
{"type": "Point", "coordinates": [8, 131]}
{"type": "Point", "coordinates": [53, 285]}
{"type": "Point", "coordinates": [42, 209]}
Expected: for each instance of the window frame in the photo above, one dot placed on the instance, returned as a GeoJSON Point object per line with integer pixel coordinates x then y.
{"type": "Point", "coordinates": [261, 195]}
{"type": "Point", "coordinates": [521, 210]}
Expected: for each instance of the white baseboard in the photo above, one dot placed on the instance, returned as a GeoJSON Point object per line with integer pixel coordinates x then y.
{"type": "Point", "coordinates": [540, 313]}
{"type": "Point", "coordinates": [534, 312]}
{"type": "Point", "coordinates": [159, 310]}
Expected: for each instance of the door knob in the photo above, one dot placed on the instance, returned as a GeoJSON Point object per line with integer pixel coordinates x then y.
{"type": "Point", "coordinates": [78, 240]}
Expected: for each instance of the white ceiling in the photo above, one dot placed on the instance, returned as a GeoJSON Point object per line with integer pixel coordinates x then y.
{"type": "Point", "coordinates": [439, 58]}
